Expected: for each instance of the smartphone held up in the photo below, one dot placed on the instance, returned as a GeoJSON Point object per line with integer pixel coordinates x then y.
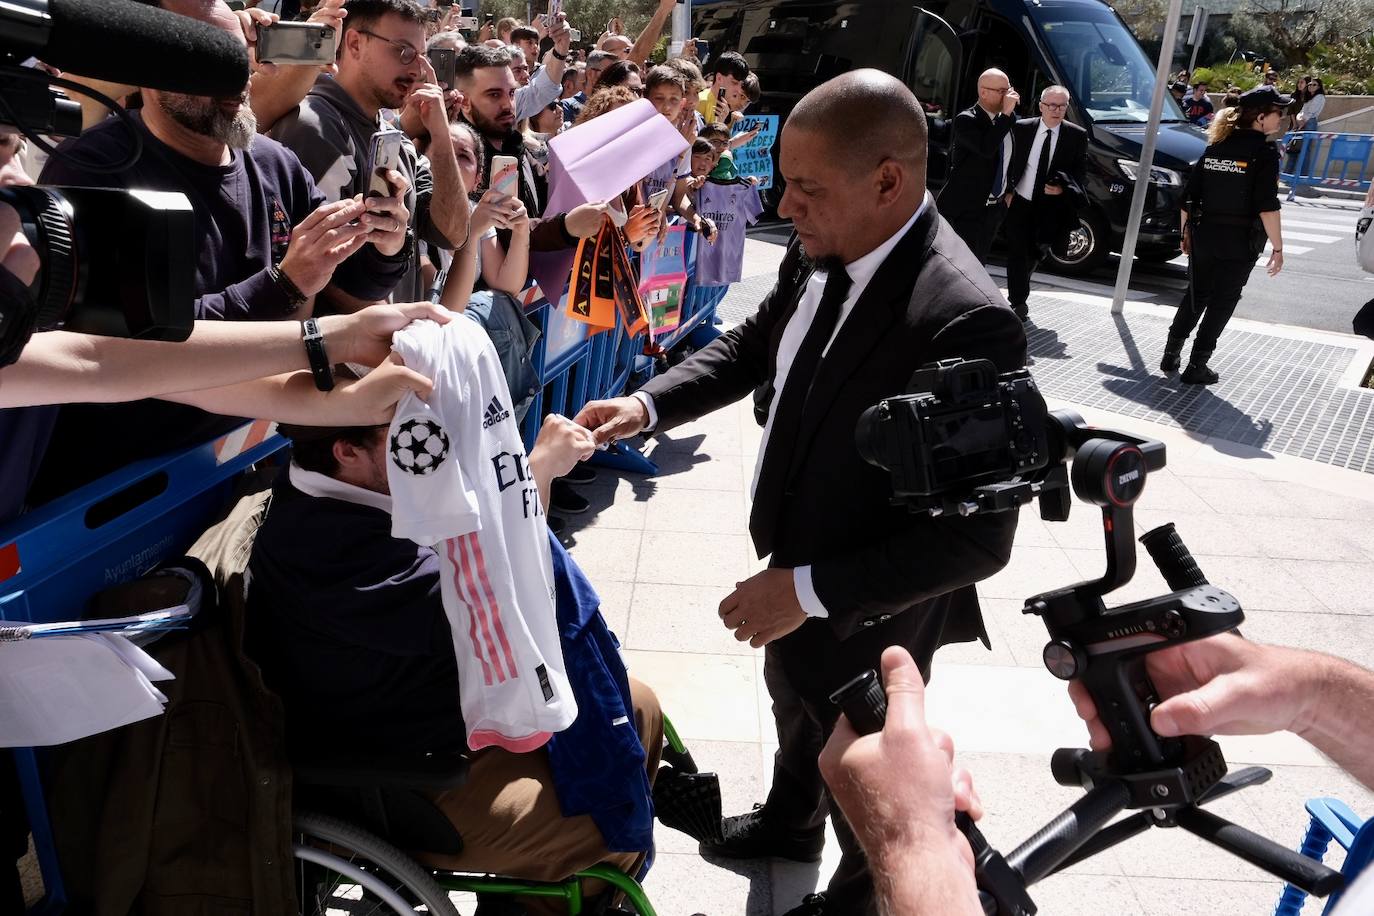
{"type": "Point", "coordinates": [296, 43]}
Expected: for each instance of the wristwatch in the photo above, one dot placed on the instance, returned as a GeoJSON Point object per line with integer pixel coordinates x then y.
{"type": "Point", "coordinates": [320, 367]}
{"type": "Point", "coordinates": [555, 52]}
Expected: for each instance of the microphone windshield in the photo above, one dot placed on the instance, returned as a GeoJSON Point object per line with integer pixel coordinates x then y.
{"type": "Point", "coordinates": [127, 42]}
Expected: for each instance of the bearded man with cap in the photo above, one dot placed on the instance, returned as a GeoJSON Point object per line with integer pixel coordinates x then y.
{"type": "Point", "coordinates": [1230, 209]}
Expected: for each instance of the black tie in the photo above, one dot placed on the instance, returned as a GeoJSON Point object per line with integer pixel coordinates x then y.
{"type": "Point", "coordinates": [782, 437]}
{"type": "Point", "coordinates": [1042, 170]}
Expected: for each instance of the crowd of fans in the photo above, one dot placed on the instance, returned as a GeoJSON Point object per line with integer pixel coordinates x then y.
{"type": "Point", "coordinates": [287, 228]}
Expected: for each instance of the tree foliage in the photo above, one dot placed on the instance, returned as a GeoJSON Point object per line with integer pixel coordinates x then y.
{"type": "Point", "coordinates": [1296, 27]}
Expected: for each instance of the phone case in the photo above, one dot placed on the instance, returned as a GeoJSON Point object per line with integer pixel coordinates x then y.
{"type": "Point", "coordinates": [505, 176]}
{"type": "Point", "coordinates": [295, 43]}
{"type": "Point", "coordinates": [386, 156]}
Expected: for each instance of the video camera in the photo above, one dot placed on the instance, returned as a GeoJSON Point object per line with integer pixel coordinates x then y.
{"type": "Point", "coordinates": [116, 263]}
{"type": "Point", "coordinates": [967, 440]}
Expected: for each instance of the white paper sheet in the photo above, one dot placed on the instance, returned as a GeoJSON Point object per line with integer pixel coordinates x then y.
{"type": "Point", "coordinates": [61, 688]}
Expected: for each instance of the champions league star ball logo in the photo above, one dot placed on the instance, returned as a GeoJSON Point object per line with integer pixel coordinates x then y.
{"type": "Point", "coordinates": [419, 446]}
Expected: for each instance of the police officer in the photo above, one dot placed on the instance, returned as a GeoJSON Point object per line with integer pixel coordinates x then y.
{"type": "Point", "coordinates": [1231, 206]}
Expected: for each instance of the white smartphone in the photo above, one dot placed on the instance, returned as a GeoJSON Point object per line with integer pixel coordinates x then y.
{"type": "Point", "coordinates": [385, 156]}
{"type": "Point", "coordinates": [659, 199]}
{"type": "Point", "coordinates": [505, 175]}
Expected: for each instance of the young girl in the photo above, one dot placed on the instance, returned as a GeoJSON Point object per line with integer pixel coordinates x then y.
{"type": "Point", "coordinates": [482, 255]}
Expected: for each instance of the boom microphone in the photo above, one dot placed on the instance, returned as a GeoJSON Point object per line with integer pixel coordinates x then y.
{"type": "Point", "coordinates": [126, 42]}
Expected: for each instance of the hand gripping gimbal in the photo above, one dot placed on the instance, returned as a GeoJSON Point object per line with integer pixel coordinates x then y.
{"type": "Point", "coordinates": [1165, 780]}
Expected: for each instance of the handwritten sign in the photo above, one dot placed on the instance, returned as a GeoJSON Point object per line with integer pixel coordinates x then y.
{"type": "Point", "coordinates": [664, 280]}
{"type": "Point", "coordinates": [756, 158]}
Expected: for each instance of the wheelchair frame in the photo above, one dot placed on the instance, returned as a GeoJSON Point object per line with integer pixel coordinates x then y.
{"type": "Point", "coordinates": [569, 889]}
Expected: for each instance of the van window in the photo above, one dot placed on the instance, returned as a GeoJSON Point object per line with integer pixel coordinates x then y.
{"type": "Point", "coordinates": [934, 70]}
{"type": "Point", "coordinates": [793, 47]}
{"type": "Point", "coordinates": [1104, 66]}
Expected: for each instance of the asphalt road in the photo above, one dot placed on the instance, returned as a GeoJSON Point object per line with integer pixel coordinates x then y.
{"type": "Point", "coordinates": [1319, 287]}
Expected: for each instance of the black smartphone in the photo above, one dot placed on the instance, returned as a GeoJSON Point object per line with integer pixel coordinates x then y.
{"type": "Point", "coordinates": [384, 156]}
{"type": "Point", "coordinates": [443, 60]}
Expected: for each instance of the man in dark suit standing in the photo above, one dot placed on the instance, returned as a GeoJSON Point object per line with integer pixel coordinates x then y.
{"type": "Point", "coordinates": [873, 286]}
{"type": "Point", "coordinates": [973, 198]}
{"type": "Point", "coordinates": [1047, 174]}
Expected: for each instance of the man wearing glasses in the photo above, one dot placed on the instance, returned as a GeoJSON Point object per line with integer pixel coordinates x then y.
{"type": "Point", "coordinates": [381, 66]}
{"type": "Point", "coordinates": [973, 198]}
{"type": "Point", "coordinates": [1046, 184]}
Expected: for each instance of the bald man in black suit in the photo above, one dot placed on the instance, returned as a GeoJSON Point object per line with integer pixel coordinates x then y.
{"type": "Point", "coordinates": [874, 285]}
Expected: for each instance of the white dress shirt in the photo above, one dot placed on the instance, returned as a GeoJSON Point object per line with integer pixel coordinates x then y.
{"type": "Point", "coordinates": [861, 271]}
{"type": "Point", "coordinates": [1025, 186]}
{"type": "Point", "coordinates": [1006, 157]}
{"type": "Point", "coordinates": [313, 483]}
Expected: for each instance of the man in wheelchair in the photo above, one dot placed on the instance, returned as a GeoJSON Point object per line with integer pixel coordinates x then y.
{"type": "Point", "coordinates": [348, 626]}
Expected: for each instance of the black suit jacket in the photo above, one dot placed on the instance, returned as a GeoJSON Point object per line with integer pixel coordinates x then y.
{"type": "Point", "coordinates": [885, 575]}
{"type": "Point", "coordinates": [1068, 168]}
{"type": "Point", "coordinates": [973, 161]}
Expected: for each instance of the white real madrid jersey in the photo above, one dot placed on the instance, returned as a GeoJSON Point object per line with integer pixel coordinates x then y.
{"type": "Point", "coordinates": [460, 481]}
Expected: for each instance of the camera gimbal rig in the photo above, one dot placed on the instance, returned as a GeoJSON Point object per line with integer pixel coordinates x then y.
{"type": "Point", "coordinates": [1165, 779]}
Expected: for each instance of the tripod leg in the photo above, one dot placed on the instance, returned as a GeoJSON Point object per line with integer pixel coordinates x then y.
{"type": "Point", "coordinates": [1234, 782]}
{"type": "Point", "coordinates": [1283, 863]}
{"type": "Point", "coordinates": [1108, 837]}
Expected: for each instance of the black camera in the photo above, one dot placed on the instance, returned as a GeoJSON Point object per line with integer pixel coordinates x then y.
{"type": "Point", "coordinates": [115, 263]}
{"type": "Point", "coordinates": [959, 425]}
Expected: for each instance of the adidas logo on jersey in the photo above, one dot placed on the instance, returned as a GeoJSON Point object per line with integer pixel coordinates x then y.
{"type": "Point", "coordinates": [495, 414]}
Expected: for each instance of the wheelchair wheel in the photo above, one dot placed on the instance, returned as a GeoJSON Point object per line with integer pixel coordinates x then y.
{"type": "Point", "coordinates": [344, 869]}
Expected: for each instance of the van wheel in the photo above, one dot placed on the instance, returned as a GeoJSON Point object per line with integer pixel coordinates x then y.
{"type": "Point", "coordinates": [1085, 248]}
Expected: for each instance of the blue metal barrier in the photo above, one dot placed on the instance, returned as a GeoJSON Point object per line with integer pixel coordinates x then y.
{"type": "Point", "coordinates": [601, 366]}
{"type": "Point", "coordinates": [111, 531]}
{"type": "Point", "coordinates": [1345, 160]}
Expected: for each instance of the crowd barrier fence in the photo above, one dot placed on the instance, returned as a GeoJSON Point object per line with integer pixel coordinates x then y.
{"type": "Point", "coordinates": [1328, 160]}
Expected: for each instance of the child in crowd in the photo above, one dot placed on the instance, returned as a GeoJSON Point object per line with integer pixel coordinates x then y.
{"type": "Point", "coordinates": [665, 88]}
{"type": "Point", "coordinates": [704, 159]}
{"type": "Point", "coordinates": [495, 268]}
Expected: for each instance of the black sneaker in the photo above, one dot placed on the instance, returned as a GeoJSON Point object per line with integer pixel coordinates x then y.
{"type": "Point", "coordinates": [811, 905]}
{"type": "Point", "coordinates": [1022, 312]}
{"type": "Point", "coordinates": [580, 475]}
{"type": "Point", "coordinates": [1170, 362]}
{"type": "Point", "coordinates": [557, 526]}
{"type": "Point", "coordinates": [748, 836]}
{"type": "Point", "coordinates": [566, 500]}
{"type": "Point", "coordinates": [1199, 374]}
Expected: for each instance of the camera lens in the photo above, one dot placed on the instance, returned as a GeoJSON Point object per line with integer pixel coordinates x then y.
{"type": "Point", "coordinates": [47, 218]}
{"type": "Point", "coordinates": [870, 436]}
{"type": "Point", "coordinates": [115, 263]}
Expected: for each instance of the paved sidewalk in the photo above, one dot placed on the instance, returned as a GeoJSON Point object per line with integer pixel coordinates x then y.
{"type": "Point", "coordinates": [1287, 535]}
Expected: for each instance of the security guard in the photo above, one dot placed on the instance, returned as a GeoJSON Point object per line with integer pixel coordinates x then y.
{"type": "Point", "coordinates": [1231, 206]}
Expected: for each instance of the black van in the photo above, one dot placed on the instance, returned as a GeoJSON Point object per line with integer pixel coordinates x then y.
{"type": "Point", "coordinates": [940, 49]}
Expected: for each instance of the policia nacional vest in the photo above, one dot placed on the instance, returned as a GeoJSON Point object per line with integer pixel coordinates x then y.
{"type": "Point", "coordinates": [1231, 185]}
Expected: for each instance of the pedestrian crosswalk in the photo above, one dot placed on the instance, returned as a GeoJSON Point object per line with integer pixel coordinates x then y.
{"type": "Point", "coordinates": [1316, 224]}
